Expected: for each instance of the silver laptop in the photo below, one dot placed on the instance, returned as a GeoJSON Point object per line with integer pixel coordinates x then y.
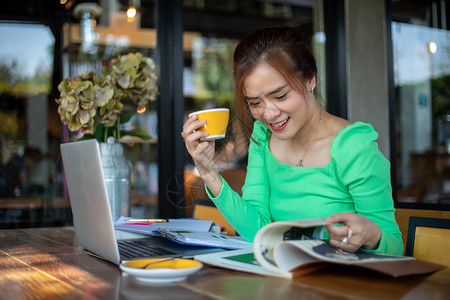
{"type": "Point", "coordinates": [92, 215]}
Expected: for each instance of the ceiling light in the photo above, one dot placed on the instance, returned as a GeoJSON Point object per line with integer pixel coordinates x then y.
{"type": "Point", "coordinates": [433, 47]}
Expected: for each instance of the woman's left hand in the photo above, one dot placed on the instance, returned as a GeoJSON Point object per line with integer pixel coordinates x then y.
{"type": "Point", "coordinates": [357, 231]}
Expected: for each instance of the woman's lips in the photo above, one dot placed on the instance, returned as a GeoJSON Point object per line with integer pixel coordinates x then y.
{"type": "Point", "coordinates": [280, 125]}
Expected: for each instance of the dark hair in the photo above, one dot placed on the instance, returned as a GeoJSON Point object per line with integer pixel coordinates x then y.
{"type": "Point", "coordinates": [281, 47]}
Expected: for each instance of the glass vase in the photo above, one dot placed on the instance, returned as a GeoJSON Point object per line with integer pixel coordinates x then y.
{"type": "Point", "coordinates": [116, 172]}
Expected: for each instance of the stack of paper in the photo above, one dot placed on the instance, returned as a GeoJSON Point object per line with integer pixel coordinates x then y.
{"type": "Point", "coordinates": [151, 228]}
{"type": "Point", "coordinates": [208, 239]}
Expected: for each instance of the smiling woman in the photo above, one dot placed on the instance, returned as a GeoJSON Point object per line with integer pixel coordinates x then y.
{"type": "Point", "coordinates": [341, 175]}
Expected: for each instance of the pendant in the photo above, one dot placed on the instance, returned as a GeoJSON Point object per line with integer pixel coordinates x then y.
{"type": "Point", "coordinates": [300, 164]}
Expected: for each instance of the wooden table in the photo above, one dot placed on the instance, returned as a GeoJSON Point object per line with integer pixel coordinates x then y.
{"type": "Point", "coordinates": [45, 263]}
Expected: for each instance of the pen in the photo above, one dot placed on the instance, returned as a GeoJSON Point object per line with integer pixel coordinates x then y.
{"type": "Point", "coordinates": [148, 220]}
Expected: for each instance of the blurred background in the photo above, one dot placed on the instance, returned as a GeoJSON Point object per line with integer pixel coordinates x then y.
{"type": "Point", "coordinates": [382, 62]}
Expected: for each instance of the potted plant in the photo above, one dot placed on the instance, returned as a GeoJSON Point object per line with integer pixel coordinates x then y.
{"type": "Point", "coordinates": [97, 105]}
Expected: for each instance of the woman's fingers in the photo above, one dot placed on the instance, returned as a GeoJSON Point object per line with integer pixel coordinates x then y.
{"type": "Point", "coordinates": [340, 233]}
{"type": "Point", "coordinates": [343, 237]}
{"type": "Point", "coordinates": [191, 125]}
{"type": "Point", "coordinates": [356, 231]}
{"type": "Point", "coordinates": [348, 246]}
{"type": "Point", "coordinates": [343, 217]}
{"type": "Point", "coordinates": [192, 136]}
{"type": "Point", "coordinates": [347, 236]}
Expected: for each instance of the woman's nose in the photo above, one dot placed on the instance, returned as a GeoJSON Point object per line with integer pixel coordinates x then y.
{"type": "Point", "coordinates": [271, 111]}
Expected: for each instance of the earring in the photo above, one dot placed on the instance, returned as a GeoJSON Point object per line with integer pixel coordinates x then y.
{"type": "Point", "coordinates": [312, 90]}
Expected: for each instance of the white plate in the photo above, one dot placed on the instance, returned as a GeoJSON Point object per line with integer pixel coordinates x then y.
{"type": "Point", "coordinates": [166, 271]}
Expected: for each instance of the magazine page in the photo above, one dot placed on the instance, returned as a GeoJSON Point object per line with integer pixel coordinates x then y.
{"type": "Point", "coordinates": [239, 260]}
{"type": "Point", "coordinates": [291, 256]}
{"type": "Point", "coordinates": [321, 250]}
{"type": "Point", "coordinates": [290, 249]}
{"type": "Point", "coordinates": [274, 233]}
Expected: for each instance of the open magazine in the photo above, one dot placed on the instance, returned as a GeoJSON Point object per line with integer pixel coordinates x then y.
{"type": "Point", "coordinates": [287, 249]}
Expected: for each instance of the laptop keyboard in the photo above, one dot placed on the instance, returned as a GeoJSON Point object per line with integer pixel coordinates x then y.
{"type": "Point", "coordinates": [140, 248]}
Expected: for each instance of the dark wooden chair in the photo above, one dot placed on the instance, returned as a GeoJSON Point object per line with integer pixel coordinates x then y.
{"type": "Point", "coordinates": [429, 240]}
{"type": "Point", "coordinates": [402, 216]}
{"type": "Point", "coordinates": [198, 204]}
{"type": "Point", "coordinates": [206, 210]}
{"type": "Point", "coordinates": [195, 188]}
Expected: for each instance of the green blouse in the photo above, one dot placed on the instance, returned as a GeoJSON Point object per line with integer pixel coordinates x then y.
{"type": "Point", "coordinates": [357, 179]}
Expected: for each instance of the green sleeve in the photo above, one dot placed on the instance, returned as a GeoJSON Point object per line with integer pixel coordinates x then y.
{"type": "Point", "coordinates": [247, 214]}
{"type": "Point", "coordinates": [365, 172]}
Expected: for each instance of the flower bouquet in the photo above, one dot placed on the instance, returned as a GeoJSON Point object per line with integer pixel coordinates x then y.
{"type": "Point", "coordinates": [98, 105]}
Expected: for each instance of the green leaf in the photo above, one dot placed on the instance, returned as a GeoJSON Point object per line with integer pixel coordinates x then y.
{"type": "Point", "coordinates": [87, 136]}
{"type": "Point", "coordinates": [136, 132]}
{"type": "Point", "coordinates": [99, 133]}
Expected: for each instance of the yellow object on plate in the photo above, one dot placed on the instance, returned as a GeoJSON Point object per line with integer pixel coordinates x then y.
{"type": "Point", "coordinates": [176, 269]}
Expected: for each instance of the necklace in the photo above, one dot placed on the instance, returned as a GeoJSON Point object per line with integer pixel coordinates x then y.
{"type": "Point", "coordinates": [300, 160]}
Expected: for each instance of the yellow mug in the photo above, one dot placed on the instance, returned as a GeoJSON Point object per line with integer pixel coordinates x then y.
{"type": "Point", "coordinates": [216, 122]}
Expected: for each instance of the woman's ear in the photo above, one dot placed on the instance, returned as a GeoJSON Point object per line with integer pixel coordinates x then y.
{"type": "Point", "coordinates": [312, 84]}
